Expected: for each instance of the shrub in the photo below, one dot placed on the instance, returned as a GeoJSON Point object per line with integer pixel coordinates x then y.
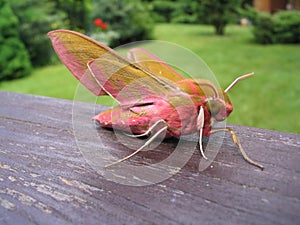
{"type": "Point", "coordinates": [185, 12]}
{"type": "Point", "coordinates": [286, 27]}
{"type": "Point", "coordinates": [163, 10]}
{"type": "Point", "coordinates": [129, 18]}
{"type": "Point", "coordinates": [76, 12]}
{"type": "Point", "coordinates": [105, 37]}
{"type": "Point", "coordinates": [263, 29]}
{"type": "Point", "coordinates": [37, 17]}
{"type": "Point", "coordinates": [281, 27]}
{"type": "Point", "coordinates": [14, 59]}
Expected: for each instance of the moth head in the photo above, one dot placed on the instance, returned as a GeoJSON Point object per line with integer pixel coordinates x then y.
{"type": "Point", "coordinates": [219, 105]}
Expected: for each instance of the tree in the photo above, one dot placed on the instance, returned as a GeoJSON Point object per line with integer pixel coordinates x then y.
{"type": "Point", "coordinates": [218, 12]}
{"type": "Point", "coordinates": [36, 18]}
{"type": "Point", "coordinates": [14, 59]}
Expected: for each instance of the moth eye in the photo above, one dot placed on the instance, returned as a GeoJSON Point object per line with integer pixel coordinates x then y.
{"type": "Point", "coordinates": [213, 106]}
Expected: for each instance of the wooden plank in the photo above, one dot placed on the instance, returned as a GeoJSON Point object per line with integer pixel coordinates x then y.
{"type": "Point", "coordinates": [46, 180]}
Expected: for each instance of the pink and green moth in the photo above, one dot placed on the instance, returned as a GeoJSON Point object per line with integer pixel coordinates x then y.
{"type": "Point", "coordinates": [152, 96]}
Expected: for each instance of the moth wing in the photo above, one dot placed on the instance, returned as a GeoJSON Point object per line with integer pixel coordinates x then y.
{"type": "Point", "coordinates": [152, 63]}
{"type": "Point", "coordinates": [103, 71]}
{"type": "Point", "coordinates": [129, 83]}
{"type": "Point", "coordinates": [75, 50]}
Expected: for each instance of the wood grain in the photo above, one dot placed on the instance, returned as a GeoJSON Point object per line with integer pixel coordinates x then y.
{"type": "Point", "coordinates": [45, 179]}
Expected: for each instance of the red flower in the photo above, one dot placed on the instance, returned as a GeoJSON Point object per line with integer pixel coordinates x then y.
{"type": "Point", "coordinates": [103, 26]}
{"type": "Point", "coordinates": [98, 22]}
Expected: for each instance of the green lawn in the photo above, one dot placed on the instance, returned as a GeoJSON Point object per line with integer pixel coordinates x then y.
{"type": "Point", "coordinates": [269, 100]}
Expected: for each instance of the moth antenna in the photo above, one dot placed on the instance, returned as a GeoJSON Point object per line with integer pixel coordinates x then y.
{"type": "Point", "coordinates": [238, 80]}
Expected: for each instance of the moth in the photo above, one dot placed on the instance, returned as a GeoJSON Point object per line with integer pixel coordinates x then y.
{"type": "Point", "coordinates": [154, 99]}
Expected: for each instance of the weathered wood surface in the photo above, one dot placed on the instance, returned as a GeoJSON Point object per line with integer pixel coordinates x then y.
{"type": "Point", "coordinates": [45, 179]}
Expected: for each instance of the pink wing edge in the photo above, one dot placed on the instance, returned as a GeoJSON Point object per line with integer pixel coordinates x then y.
{"type": "Point", "coordinates": [77, 68]}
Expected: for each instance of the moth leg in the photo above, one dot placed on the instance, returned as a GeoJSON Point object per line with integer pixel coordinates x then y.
{"type": "Point", "coordinates": [141, 148]}
{"type": "Point", "coordinates": [200, 124]}
{"type": "Point", "coordinates": [237, 142]}
{"type": "Point", "coordinates": [148, 131]}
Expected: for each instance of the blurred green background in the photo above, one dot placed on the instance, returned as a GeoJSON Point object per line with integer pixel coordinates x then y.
{"type": "Point", "coordinates": [233, 38]}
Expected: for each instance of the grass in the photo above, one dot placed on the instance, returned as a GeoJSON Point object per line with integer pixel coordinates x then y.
{"type": "Point", "coordinates": [269, 100]}
{"type": "Point", "coordinates": [54, 81]}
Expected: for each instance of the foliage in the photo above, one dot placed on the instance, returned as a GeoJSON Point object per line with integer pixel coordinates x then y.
{"type": "Point", "coordinates": [14, 59]}
{"type": "Point", "coordinates": [105, 37]}
{"type": "Point", "coordinates": [175, 11]}
{"type": "Point", "coordinates": [36, 18]}
{"type": "Point", "coordinates": [162, 11]}
{"type": "Point", "coordinates": [185, 12]}
{"type": "Point", "coordinates": [287, 27]}
{"type": "Point", "coordinates": [129, 18]}
{"type": "Point", "coordinates": [281, 27]}
{"type": "Point", "coordinates": [214, 12]}
{"type": "Point", "coordinates": [219, 13]}
{"type": "Point", "coordinates": [77, 13]}
{"type": "Point", "coordinates": [263, 29]}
